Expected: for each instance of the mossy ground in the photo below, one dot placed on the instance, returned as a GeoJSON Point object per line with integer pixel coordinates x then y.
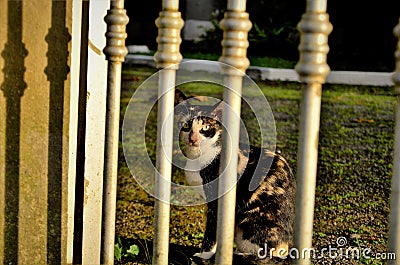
{"type": "Point", "coordinates": [354, 171]}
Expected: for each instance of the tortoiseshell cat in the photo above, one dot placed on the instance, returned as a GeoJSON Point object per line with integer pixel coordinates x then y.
{"type": "Point", "coordinates": [264, 215]}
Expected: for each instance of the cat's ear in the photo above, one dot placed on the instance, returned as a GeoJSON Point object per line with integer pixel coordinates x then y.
{"type": "Point", "coordinates": [179, 97]}
{"type": "Point", "coordinates": [217, 111]}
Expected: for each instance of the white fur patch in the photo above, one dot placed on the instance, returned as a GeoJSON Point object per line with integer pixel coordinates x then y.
{"type": "Point", "coordinates": [207, 254]}
{"type": "Point", "coordinates": [199, 153]}
{"type": "Point", "coordinates": [193, 178]}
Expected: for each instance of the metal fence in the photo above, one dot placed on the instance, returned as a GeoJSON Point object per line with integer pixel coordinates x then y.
{"type": "Point", "coordinates": [59, 127]}
{"type": "Point", "coordinates": [312, 69]}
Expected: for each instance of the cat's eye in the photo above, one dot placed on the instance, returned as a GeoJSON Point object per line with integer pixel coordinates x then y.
{"type": "Point", "coordinates": [206, 128]}
{"type": "Point", "coordinates": [185, 126]}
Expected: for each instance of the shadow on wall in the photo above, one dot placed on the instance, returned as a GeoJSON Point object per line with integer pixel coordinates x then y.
{"type": "Point", "coordinates": [57, 70]}
{"type": "Point", "coordinates": [13, 87]}
{"type": "Point", "coordinates": [14, 54]}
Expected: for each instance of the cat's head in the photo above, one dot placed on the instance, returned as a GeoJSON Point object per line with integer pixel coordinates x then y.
{"type": "Point", "coordinates": [200, 128]}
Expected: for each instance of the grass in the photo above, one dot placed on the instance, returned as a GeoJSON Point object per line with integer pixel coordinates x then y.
{"type": "Point", "coordinates": [354, 169]}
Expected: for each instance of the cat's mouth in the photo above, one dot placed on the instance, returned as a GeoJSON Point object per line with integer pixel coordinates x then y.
{"type": "Point", "coordinates": [195, 150]}
{"type": "Point", "coordinates": [202, 151]}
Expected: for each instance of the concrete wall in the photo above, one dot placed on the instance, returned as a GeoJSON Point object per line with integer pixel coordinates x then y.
{"type": "Point", "coordinates": [34, 130]}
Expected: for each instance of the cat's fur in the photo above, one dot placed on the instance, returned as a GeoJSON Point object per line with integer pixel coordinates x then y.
{"type": "Point", "coordinates": [264, 215]}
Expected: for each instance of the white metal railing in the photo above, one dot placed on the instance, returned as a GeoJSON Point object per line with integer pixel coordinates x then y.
{"type": "Point", "coordinates": [236, 25]}
{"type": "Point", "coordinates": [115, 52]}
{"type": "Point", "coordinates": [94, 235]}
{"type": "Point", "coordinates": [394, 225]}
{"type": "Point", "coordinates": [169, 24]}
{"type": "Point", "coordinates": [313, 70]}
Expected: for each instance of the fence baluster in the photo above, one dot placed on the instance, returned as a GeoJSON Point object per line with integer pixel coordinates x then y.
{"type": "Point", "coordinates": [169, 26]}
{"type": "Point", "coordinates": [115, 52]}
{"type": "Point", "coordinates": [394, 229]}
{"type": "Point", "coordinates": [312, 69]}
{"type": "Point", "coordinates": [236, 25]}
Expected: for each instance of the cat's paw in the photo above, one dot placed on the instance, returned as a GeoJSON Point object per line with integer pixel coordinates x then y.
{"type": "Point", "coordinates": [205, 255]}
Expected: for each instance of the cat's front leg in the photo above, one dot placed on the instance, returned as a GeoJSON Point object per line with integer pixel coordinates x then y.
{"type": "Point", "coordinates": [209, 245]}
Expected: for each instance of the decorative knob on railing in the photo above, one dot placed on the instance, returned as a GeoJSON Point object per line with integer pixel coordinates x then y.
{"type": "Point", "coordinates": [314, 28]}
{"type": "Point", "coordinates": [396, 75]}
{"type": "Point", "coordinates": [115, 52]}
{"type": "Point", "coordinates": [116, 20]}
{"type": "Point", "coordinates": [313, 70]}
{"type": "Point", "coordinates": [236, 25]}
{"type": "Point", "coordinates": [169, 25]}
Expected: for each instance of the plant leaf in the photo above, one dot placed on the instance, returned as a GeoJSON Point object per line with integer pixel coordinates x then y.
{"type": "Point", "coordinates": [118, 251]}
{"type": "Point", "coordinates": [133, 251]}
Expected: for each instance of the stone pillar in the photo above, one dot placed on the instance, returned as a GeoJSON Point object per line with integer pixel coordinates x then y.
{"type": "Point", "coordinates": [34, 130]}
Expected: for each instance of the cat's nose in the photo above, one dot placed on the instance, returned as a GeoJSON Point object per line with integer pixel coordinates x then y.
{"type": "Point", "coordinates": [194, 139]}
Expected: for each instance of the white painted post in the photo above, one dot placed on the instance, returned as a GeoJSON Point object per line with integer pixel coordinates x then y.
{"type": "Point", "coordinates": [312, 69]}
{"type": "Point", "coordinates": [73, 129]}
{"type": "Point", "coordinates": [236, 25]}
{"type": "Point", "coordinates": [169, 26]}
{"type": "Point", "coordinates": [94, 136]}
{"type": "Point", "coordinates": [394, 227]}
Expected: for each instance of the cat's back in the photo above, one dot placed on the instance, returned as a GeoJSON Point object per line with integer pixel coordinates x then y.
{"type": "Point", "coordinates": [265, 200]}
{"type": "Point", "coordinates": [265, 171]}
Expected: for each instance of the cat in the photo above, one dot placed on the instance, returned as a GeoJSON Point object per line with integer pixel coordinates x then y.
{"type": "Point", "coordinates": [264, 215]}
